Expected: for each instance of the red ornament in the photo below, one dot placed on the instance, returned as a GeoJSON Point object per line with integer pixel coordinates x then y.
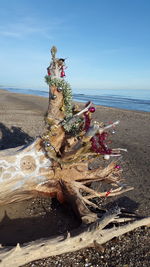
{"type": "Point", "coordinates": [118, 167]}
{"type": "Point", "coordinates": [99, 145]}
{"type": "Point", "coordinates": [108, 193]}
{"type": "Point", "coordinates": [87, 121]}
{"type": "Point", "coordinates": [62, 73]}
{"type": "Point", "coordinates": [48, 72]}
{"type": "Point", "coordinates": [92, 109]}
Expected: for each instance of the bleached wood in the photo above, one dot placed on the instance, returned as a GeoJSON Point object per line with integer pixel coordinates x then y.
{"type": "Point", "coordinates": [22, 169]}
{"type": "Point", "coordinates": [85, 237]}
{"type": "Point", "coordinates": [28, 171]}
{"type": "Point", "coordinates": [57, 164]}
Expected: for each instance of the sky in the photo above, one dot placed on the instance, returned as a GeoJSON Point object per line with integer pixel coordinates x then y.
{"type": "Point", "coordinates": [106, 42]}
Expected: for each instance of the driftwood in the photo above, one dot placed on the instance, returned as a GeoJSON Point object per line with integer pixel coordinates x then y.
{"type": "Point", "coordinates": [57, 165]}
{"type": "Point", "coordinates": [90, 236]}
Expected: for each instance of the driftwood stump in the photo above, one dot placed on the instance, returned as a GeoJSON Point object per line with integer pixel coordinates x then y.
{"type": "Point", "coordinates": [57, 165]}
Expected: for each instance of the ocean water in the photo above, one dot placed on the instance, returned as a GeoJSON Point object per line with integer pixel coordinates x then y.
{"type": "Point", "coordinates": [125, 99]}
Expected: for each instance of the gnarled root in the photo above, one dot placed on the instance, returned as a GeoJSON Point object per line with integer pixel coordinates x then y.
{"type": "Point", "coordinates": [78, 203]}
{"type": "Point", "coordinates": [73, 189]}
{"type": "Point", "coordinates": [72, 192]}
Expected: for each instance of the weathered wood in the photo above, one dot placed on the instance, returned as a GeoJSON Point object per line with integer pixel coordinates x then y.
{"type": "Point", "coordinates": [84, 237]}
{"type": "Point", "coordinates": [21, 171]}
{"type": "Point", "coordinates": [28, 171]}
{"type": "Point", "coordinates": [57, 165]}
{"type": "Point", "coordinates": [59, 159]}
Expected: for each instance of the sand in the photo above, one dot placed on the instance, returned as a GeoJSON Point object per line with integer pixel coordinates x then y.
{"type": "Point", "coordinates": [21, 120]}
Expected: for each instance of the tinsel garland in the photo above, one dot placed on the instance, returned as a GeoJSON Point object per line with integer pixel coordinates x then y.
{"type": "Point", "coordinates": [66, 90]}
{"type": "Point", "coordinates": [72, 125]}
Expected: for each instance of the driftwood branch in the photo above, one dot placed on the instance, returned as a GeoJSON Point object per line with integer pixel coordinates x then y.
{"type": "Point", "coordinates": [85, 237]}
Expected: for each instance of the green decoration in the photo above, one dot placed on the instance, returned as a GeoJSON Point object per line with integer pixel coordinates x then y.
{"type": "Point", "coordinates": [66, 90]}
{"type": "Point", "coordinates": [73, 125]}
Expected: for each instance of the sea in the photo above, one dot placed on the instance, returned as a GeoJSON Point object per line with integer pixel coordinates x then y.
{"type": "Point", "coordinates": [130, 99]}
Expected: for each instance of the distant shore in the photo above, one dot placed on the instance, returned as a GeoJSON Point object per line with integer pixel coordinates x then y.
{"type": "Point", "coordinates": [138, 100]}
{"type": "Point", "coordinates": [21, 119]}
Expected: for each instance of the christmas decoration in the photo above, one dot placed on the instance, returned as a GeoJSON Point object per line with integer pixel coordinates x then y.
{"type": "Point", "coordinates": [92, 109]}
{"type": "Point", "coordinates": [62, 73]}
{"type": "Point", "coordinates": [57, 164]}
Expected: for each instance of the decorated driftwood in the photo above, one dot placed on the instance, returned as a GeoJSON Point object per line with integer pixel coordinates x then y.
{"type": "Point", "coordinates": [57, 165]}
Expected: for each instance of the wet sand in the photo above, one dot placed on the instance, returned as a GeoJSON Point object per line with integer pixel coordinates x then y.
{"type": "Point", "coordinates": [21, 120]}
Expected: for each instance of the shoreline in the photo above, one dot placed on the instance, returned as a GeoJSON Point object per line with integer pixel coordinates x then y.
{"type": "Point", "coordinates": [76, 102]}
{"type": "Point", "coordinates": [21, 120]}
{"type": "Point", "coordinates": [112, 100]}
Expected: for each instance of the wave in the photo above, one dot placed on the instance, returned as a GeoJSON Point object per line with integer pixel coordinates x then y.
{"type": "Point", "coordinates": [111, 99]}
{"type": "Point", "coordinates": [116, 101]}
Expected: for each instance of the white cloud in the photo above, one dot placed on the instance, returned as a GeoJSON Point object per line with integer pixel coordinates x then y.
{"type": "Point", "coordinates": [29, 27]}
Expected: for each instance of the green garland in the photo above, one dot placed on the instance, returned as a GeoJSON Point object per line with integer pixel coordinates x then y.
{"type": "Point", "coordinates": [66, 90]}
{"type": "Point", "coordinates": [70, 125]}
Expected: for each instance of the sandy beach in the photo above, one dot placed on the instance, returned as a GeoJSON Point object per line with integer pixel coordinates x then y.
{"type": "Point", "coordinates": [21, 120]}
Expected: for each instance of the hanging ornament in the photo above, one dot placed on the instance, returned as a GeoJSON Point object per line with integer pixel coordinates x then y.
{"type": "Point", "coordinates": [47, 143]}
{"type": "Point", "coordinates": [118, 167]}
{"type": "Point", "coordinates": [53, 97]}
{"type": "Point", "coordinates": [92, 109]}
{"type": "Point", "coordinates": [106, 157]}
{"type": "Point", "coordinates": [99, 145]}
{"type": "Point", "coordinates": [108, 193]}
{"type": "Point", "coordinates": [48, 72]}
{"type": "Point", "coordinates": [59, 89]}
{"type": "Point", "coordinates": [62, 74]}
{"type": "Point", "coordinates": [87, 121]}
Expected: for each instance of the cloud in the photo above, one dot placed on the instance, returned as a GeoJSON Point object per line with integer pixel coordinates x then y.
{"type": "Point", "coordinates": [29, 27]}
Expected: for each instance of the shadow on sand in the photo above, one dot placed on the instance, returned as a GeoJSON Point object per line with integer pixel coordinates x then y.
{"type": "Point", "coordinates": [21, 230]}
{"type": "Point", "coordinates": [13, 137]}
{"type": "Point", "coordinates": [59, 220]}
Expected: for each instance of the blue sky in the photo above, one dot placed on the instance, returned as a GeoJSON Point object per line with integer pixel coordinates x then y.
{"type": "Point", "coordinates": [106, 42]}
